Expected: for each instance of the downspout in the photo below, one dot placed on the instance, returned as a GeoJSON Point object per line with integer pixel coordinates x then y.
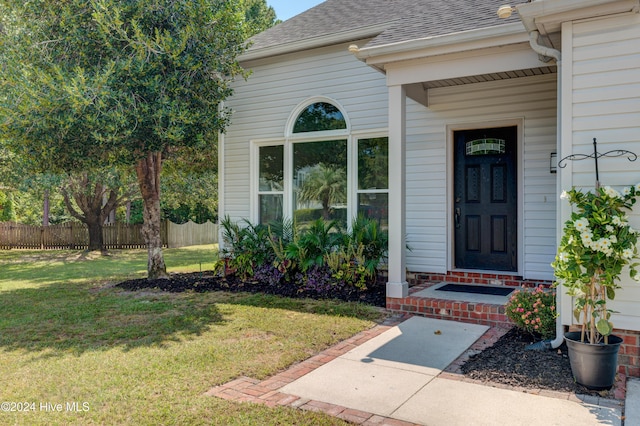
{"type": "Point", "coordinates": [555, 343]}
{"type": "Point", "coordinates": [546, 54]}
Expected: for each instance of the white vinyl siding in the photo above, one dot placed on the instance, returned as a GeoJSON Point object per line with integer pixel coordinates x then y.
{"type": "Point", "coordinates": [603, 88]}
{"type": "Point", "coordinates": [263, 104]}
{"type": "Point", "coordinates": [530, 101]}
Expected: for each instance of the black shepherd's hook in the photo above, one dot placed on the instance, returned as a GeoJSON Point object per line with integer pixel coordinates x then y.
{"type": "Point", "coordinates": [595, 156]}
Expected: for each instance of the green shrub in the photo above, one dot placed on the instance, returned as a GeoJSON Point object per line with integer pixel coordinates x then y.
{"type": "Point", "coordinates": [303, 216]}
{"type": "Point", "coordinates": [307, 215]}
{"type": "Point", "coordinates": [246, 247]}
{"type": "Point", "coordinates": [534, 311]}
{"type": "Point", "coordinates": [348, 264]}
{"type": "Point", "coordinates": [351, 258]}
{"type": "Point", "coordinates": [375, 242]}
{"type": "Point", "coordinates": [312, 243]}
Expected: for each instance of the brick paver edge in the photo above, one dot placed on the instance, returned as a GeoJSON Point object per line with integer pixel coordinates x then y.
{"type": "Point", "coordinates": [247, 389]}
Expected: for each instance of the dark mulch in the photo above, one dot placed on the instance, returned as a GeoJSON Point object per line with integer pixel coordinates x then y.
{"type": "Point", "coordinates": [208, 281]}
{"type": "Point", "coordinates": [506, 362]}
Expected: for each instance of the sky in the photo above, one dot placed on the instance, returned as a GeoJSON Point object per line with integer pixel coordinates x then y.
{"type": "Point", "coordinates": [286, 9]}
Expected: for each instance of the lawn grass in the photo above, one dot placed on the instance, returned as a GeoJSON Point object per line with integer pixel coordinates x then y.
{"type": "Point", "coordinates": [67, 336]}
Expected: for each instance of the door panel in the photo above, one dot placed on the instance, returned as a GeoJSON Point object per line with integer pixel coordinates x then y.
{"type": "Point", "coordinates": [499, 234]}
{"type": "Point", "coordinates": [486, 199]}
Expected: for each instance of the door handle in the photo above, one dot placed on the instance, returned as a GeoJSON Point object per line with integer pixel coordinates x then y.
{"type": "Point", "coordinates": [456, 217]}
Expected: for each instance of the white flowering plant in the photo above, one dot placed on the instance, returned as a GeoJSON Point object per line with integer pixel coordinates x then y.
{"type": "Point", "coordinates": [596, 245]}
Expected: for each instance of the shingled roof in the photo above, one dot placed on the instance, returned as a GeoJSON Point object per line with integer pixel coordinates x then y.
{"type": "Point", "coordinates": [386, 21]}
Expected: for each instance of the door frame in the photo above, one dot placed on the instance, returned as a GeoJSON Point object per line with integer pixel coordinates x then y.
{"type": "Point", "coordinates": [453, 127]}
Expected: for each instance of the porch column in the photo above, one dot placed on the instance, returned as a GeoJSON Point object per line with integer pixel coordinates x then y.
{"type": "Point", "coordinates": [397, 285]}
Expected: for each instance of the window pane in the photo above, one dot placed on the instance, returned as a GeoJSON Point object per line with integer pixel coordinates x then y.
{"type": "Point", "coordinates": [319, 116]}
{"type": "Point", "coordinates": [271, 166]}
{"type": "Point", "coordinates": [485, 146]}
{"type": "Point", "coordinates": [375, 206]}
{"type": "Point", "coordinates": [373, 163]}
{"type": "Point", "coordinates": [320, 181]}
{"type": "Point", "coordinates": [270, 208]}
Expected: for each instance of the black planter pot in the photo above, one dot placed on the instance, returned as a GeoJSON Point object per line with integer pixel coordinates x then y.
{"type": "Point", "coordinates": [593, 366]}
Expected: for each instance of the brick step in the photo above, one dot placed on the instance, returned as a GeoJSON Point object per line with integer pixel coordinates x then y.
{"type": "Point", "coordinates": [454, 307]}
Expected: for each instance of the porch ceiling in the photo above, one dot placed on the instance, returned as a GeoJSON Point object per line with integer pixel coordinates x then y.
{"type": "Point", "coordinates": [418, 91]}
{"type": "Point", "coordinates": [490, 77]}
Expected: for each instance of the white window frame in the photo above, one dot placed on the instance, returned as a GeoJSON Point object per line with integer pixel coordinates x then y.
{"type": "Point", "coordinates": [255, 181]}
{"type": "Point", "coordinates": [355, 191]}
{"type": "Point", "coordinates": [350, 137]}
{"type": "Point", "coordinates": [254, 176]}
{"type": "Point", "coordinates": [324, 134]}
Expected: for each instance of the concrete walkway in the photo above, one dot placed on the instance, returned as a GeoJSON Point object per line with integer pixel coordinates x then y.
{"type": "Point", "coordinates": [404, 373]}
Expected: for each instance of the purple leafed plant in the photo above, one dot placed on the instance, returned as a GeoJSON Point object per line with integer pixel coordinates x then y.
{"type": "Point", "coordinates": [268, 274]}
{"type": "Point", "coordinates": [318, 280]}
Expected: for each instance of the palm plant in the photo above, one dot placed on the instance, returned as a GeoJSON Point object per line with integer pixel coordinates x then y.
{"type": "Point", "coordinates": [326, 184]}
{"type": "Point", "coordinates": [312, 243]}
{"type": "Point", "coordinates": [246, 247]}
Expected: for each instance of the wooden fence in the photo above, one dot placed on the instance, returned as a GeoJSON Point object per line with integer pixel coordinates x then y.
{"type": "Point", "coordinates": [75, 236]}
{"type": "Point", "coordinates": [191, 234]}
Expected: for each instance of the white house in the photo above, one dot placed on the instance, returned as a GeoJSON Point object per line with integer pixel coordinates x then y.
{"type": "Point", "coordinates": [469, 112]}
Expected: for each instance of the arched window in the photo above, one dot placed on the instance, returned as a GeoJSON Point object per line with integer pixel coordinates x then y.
{"type": "Point", "coordinates": [318, 117]}
{"type": "Point", "coordinates": [321, 170]}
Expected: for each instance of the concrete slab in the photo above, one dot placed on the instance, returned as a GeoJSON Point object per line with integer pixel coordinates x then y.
{"type": "Point", "coordinates": [372, 388]}
{"type": "Point", "coordinates": [456, 403]}
{"type": "Point", "coordinates": [433, 293]}
{"type": "Point", "coordinates": [632, 403]}
{"type": "Point", "coordinates": [423, 345]}
{"type": "Point", "coordinates": [382, 374]}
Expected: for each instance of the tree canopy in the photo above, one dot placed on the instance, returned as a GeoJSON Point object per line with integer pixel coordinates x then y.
{"type": "Point", "coordinates": [259, 16]}
{"type": "Point", "coordinates": [97, 82]}
{"type": "Point", "coordinates": [90, 84]}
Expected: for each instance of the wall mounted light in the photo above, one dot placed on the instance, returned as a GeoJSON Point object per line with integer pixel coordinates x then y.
{"type": "Point", "coordinates": [505, 11]}
{"type": "Point", "coordinates": [553, 163]}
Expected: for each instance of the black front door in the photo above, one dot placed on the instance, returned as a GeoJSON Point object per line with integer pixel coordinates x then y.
{"type": "Point", "coordinates": [485, 205]}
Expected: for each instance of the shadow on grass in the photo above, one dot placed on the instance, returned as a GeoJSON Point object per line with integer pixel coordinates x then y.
{"type": "Point", "coordinates": [57, 266]}
{"type": "Point", "coordinates": [72, 318]}
{"type": "Point", "coordinates": [304, 305]}
{"type": "Point", "coordinates": [44, 267]}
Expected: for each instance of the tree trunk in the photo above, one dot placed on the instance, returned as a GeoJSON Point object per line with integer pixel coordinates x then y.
{"type": "Point", "coordinates": [148, 170]}
{"type": "Point", "coordinates": [96, 241]}
{"type": "Point", "coordinates": [326, 210]}
{"type": "Point", "coordinates": [127, 216]}
{"type": "Point", "coordinates": [45, 209]}
{"type": "Point", "coordinates": [94, 204]}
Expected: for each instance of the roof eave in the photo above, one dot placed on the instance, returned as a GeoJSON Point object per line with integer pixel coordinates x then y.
{"type": "Point", "coordinates": [313, 43]}
{"type": "Point", "coordinates": [547, 16]}
{"type": "Point", "coordinates": [483, 37]}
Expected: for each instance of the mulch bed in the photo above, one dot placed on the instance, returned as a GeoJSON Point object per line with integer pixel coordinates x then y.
{"type": "Point", "coordinates": [207, 281]}
{"type": "Point", "coordinates": [506, 362]}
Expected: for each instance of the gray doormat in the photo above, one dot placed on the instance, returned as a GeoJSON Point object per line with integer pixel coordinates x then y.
{"type": "Point", "coordinates": [476, 289]}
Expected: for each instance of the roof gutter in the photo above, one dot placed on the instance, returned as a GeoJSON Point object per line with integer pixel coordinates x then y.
{"type": "Point", "coordinates": [506, 30]}
{"type": "Point", "coordinates": [312, 43]}
{"type": "Point", "coordinates": [538, 14]}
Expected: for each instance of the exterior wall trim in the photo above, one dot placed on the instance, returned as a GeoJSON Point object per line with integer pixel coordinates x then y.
{"type": "Point", "coordinates": [310, 135]}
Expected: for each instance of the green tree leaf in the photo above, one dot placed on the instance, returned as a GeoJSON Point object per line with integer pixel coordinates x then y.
{"type": "Point", "coordinates": [604, 327]}
{"type": "Point", "coordinates": [92, 84]}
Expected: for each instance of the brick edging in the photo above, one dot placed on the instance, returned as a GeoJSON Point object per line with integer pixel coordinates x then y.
{"type": "Point", "coordinates": [267, 392]}
{"type": "Point", "coordinates": [247, 389]}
